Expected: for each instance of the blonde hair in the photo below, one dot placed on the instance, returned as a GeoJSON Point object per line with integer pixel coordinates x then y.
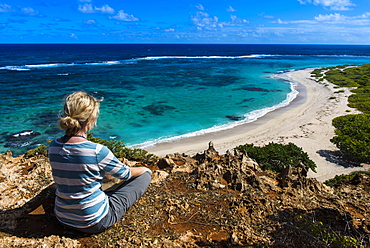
{"type": "Point", "coordinates": [81, 110]}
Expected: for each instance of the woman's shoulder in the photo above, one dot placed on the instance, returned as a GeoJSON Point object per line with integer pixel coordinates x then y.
{"type": "Point", "coordinates": [82, 144]}
{"type": "Point", "coordinates": [87, 145]}
{"type": "Point", "coordinates": [101, 148]}
{"type": "Point", "coordinates": [55, 142]}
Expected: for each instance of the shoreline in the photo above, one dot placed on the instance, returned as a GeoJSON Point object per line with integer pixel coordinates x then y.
{"type": "Point", "coordinates": [306, 122]}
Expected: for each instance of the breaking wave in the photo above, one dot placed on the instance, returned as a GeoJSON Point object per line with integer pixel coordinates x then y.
{"type": "Point", "coordinates": [135, 60]}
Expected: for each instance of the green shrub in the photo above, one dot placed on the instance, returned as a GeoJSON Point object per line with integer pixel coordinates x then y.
{"type": "Point", "coordinates": [40, 150]}
{"type": "Point", "coordinates": [364, 89]}
{"type": "Point", "coordinates": [339, 91]}
{"type": "Point", "coordinates": [276, 157]}
{"type": "Point", "coordinates": [353, 136]}
{"type": "Point", "coordinates": [120, 150]}
{"type": "Point", "coordinates": [349, 77]}
{"type": "Point", "coordinates": [340, 78]}
{"type": "Point", "coordinates": [344, 178]}
{"type": "Point", "coordinates": [316, 73]}
{"type": "Point", "coordinates": [353, 132]}
{"type": "Point", "coordinates": [324, 234]}
{"type": "Point", "coordinates": [360, 101]}
{"type": "Point", "coordinates": [354, 76]}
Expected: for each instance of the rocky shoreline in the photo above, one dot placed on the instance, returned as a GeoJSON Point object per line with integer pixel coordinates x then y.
{"type": "Point", "coordinates": [207, 200]}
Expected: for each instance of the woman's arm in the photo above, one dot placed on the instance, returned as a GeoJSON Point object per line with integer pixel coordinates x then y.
{"type": "Point", "coordinates": [137, 171]}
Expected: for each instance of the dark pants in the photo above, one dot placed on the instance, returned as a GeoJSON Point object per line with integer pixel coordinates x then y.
{"type": "Point", "coordinates": [120, 200]}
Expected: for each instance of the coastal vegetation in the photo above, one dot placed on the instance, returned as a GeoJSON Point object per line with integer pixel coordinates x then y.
{"type": "Point", "coordinates": [40, 150]}
{"type": "Point", "coordinates": [276, 157]}
{"type": "Point", "coordinates": [352, 131]}
{"type": "Point", "coordinates": [353, 136]}
{"type": "Point", "coordinates": [355, 77]}
{"type": "Point", "coordinates": [340, 179]}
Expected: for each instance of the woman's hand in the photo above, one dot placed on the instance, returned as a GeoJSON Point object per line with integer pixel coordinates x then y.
{"type": "Point", "coordinates": [137, 171]}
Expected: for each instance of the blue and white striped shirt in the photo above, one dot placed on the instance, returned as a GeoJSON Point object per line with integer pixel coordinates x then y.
{"type": "Point", "coordinates": [78, 170]}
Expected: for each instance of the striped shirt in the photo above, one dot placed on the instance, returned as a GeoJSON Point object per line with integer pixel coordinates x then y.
{"type": "Point", "coordinates": [78, 171]}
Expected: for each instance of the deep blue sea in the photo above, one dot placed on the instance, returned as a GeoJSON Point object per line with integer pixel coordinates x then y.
{"type": "Point", "coordinates": [151, 93]}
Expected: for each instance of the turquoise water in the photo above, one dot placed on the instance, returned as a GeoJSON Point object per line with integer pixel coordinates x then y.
{"type": "Point", "coordinates": [152, 93]}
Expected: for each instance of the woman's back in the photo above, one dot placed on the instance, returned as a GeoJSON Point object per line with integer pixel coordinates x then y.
{"type": "Point", "coordinates": [78, 170]}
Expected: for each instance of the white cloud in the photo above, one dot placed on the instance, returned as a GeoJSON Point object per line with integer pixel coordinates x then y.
{"type": "Point", "coordinates": [89, 8]}
{"type": "Point", "coordinates": [72, 35]}
{"type": "Point", "coordinates": [365, 15]}
{"type": "Point", "coordinates": [332, 4]}
{"type": "Point", "coordinates": [29, 11]}
{"type": "Point", "coordinates": [200, 7]}
{"type": "Point", "coordinates": [330, 18]}
{"type": "Point", "coordinates": [230, 9]}
{"type": "Point", "coordinates": [122, 16]}
{"type": "Point", "coordinates": [266, 16]}
{"type": "Point", "coordinates": [105, 9]}
{"type": "Point", "coordinates": [279, 21]}
{"type": "Point", "coordinates": [5, 8]}
{"type": "Point", "coordinates": [336, 18]}
{"type": "Point", "coordinates": [86, 8]}
{"type": "Point", "coordinates": [203, 20]}
{"type": "Point", "coordinates": [90, 22]}
{"type": "Point", "coordinates": [86, 1]}
{"type": "Point", "coordinates": [342, 19]}
{"type": "Point", "coordinates": [169, 30]}
{"type": "Point", "coordinates": [235, 19]}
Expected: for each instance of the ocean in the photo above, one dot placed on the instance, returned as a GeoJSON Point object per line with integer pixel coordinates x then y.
{"type": "Point", "coordinates": [152, 92]}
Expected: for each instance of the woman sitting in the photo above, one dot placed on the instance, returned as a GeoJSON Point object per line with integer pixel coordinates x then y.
{"type": "Point", "coordinates": [79, 166]}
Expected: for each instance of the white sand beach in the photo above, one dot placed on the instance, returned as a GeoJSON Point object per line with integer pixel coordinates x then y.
{"type": "Point", "coordinates": [306, 122]}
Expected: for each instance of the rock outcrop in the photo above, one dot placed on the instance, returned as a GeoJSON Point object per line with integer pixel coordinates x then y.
{"type": "Point", "coordinates": [207, 200]}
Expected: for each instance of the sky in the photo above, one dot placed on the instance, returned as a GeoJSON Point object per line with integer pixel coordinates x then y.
{"type": "Point", "coordinates": [186, 21]}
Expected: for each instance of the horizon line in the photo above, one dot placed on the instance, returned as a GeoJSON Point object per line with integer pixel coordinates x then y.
{"type": "Point", "coordinates": [164, 43]}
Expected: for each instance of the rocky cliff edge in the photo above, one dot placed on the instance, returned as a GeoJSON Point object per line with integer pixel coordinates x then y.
{"type": "Point", "coordinates": [208, 200]}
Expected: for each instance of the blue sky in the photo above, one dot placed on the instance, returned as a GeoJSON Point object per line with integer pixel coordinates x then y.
{"type": "Point", "coordinates": [186, 21]}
